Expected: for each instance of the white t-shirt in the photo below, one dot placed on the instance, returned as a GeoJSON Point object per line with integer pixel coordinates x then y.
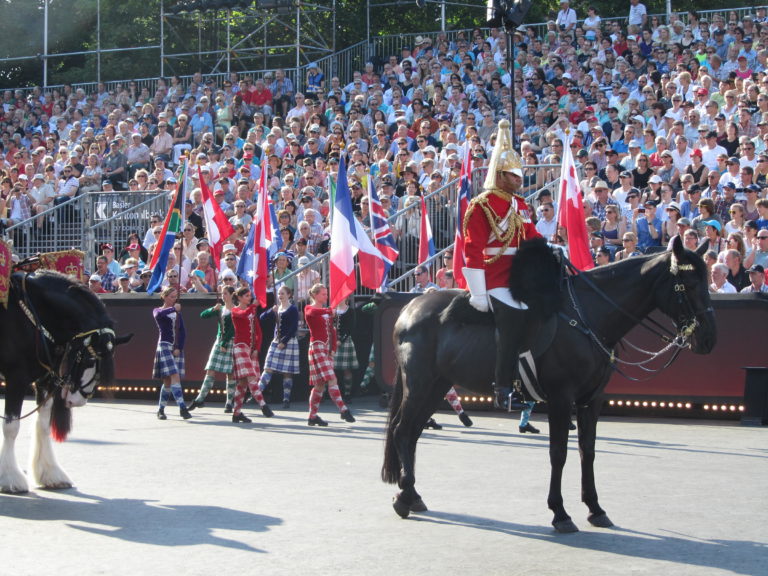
{"type": "Point", "coordinates": [636, 14]}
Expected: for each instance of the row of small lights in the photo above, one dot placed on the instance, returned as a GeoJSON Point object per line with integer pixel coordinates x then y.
{"type": "Point", "coordinates": [675, 405]}
{"type": "Point", "coordinates": [638, 404]}
{"type": "Point", "coordinates": [489, 399]}
{"type": "Point", "coordinates": [152, 389]}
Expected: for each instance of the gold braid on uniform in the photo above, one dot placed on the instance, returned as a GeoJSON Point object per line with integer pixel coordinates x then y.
{"type": "Point", "coordinates": [514, 230]}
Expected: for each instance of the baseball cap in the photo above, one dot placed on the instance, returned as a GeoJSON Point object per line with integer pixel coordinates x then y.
{"type": "Point", "coordinates": [133, 246]}
{"type": "Point", "coordinates": [756, 268]}
{"type": "Point", "coordinates": [95, 278]}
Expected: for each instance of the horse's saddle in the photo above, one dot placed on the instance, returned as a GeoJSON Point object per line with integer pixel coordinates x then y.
{"type": "Point", "coordinates": [461, 311]}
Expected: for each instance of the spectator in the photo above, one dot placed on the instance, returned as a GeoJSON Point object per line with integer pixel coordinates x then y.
{"type": "Point", "coordinates": [756, 280]}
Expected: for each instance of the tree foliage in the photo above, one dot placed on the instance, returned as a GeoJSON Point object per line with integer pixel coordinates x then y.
{"type": "Point", "coordinates": [129, 26]}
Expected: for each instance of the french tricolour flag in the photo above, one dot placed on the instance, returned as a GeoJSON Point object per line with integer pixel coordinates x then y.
{"type": "Point", "coordinates": [426, 243]}
{"type": "Point", "coordinates": [382, 234]}
{"type": "Point", "coordinates": [348, 238]}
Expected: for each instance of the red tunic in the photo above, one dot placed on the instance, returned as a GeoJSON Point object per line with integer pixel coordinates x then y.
{"type": "Point", "coordinates": [247, 328]}
{"type": "Point", "coordinates": [481, 244]}
{"type": "Point", "coordinates": [320, 324]}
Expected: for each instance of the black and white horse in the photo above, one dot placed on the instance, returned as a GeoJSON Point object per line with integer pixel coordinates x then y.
{"type": "Point", "coordinates": [57, 334]}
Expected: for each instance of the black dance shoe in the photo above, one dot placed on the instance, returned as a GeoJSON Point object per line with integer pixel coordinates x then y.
{"type": "Point", "coordinates": [240, 417]}
{"type": "Point", "coordinates": [528, 428]}
{"type": "Point", "coordinates": [316, 421]}
{"type": "Point", "coordinates": [432, 424]}
{"type": "Point", "coordinates": [347, 416]}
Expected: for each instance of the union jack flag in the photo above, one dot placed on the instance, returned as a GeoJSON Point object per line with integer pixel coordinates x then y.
{"type": "Point", "coordinates": [463, 197]}
{"type": "Point", "coordinates": [383, 238]}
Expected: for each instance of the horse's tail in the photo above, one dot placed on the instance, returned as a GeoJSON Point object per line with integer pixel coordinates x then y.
{"type": "Point", "coordinates": [61, 418]}
{"type": "Point", "coordinates": [390, 471]}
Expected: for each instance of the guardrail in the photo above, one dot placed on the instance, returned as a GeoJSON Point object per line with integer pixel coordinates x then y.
{"type": "Point", "coordinates": [86, 221]}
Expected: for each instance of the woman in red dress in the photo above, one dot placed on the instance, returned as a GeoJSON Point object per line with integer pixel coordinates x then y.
{"type": "Point", "coordinates": [246, 354]}
{"type": "Point", "coordinates": [322, 346]}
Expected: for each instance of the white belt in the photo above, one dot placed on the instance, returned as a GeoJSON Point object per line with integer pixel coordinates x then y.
{"type": "Point", "coordinates": [497, 250]}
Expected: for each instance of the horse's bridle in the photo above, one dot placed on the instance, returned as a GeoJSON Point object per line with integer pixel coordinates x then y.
{"type": "Point", "coordinates": [686, 325]}
{"type": "Point", "coordinates": [82, 341]}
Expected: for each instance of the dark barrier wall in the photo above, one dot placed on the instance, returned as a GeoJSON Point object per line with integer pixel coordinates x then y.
{"type": "Point", "coordinates": [717, 376]}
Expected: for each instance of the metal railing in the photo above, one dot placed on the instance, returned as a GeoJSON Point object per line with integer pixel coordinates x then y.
{"type": "Point", "coordinates": [87, 221]}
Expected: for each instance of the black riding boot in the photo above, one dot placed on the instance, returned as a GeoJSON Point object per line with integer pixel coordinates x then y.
{"type": "Point", "coordinates": [511, 335]}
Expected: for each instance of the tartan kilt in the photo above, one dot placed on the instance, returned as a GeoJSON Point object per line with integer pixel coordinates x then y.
{"type": "Point", "coordinates": [166, 364]}
{"type": "Point", "coordinates": [346, 355]}
{"type": "Point", "coordinates": [220, 360]}
{"type": "Point", "coordinates": [320, 364]}
{"type": "Point", "coordinates": [285, 360]}
{"type": "Point", "coordinates": [245, 367]}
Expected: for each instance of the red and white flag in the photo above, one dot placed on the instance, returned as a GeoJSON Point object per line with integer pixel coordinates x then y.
{"type": "Point", "coordinates": [217, 225]}
{"type": "Point", "coordinates": [571, 215]}
{"type": "Point", "coordinates": [262, 240]}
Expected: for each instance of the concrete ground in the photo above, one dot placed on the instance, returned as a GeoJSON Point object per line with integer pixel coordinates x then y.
{"type": "Point", "coordinates": [276, 497]}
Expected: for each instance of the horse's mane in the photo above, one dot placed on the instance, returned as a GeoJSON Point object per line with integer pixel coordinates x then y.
{"type": "Point", "coordinates": [56, 285]}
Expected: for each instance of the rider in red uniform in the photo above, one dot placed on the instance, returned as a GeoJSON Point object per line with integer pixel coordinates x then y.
{"type": "Point", "coordinates": [495, 224]}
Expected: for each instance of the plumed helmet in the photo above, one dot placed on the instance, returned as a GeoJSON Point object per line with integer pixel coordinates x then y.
{"type": "Point", "coordinates": [504, 157]}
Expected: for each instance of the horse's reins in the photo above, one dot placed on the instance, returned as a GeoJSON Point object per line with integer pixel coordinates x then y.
{"type": "Point", "coordinates": [676, 341]}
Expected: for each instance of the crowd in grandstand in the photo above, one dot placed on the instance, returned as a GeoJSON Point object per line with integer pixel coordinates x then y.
{"type": "Point", "coordinates": [667, 119]}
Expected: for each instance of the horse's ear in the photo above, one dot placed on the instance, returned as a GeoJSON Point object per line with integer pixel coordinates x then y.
{"type": "Point", "coordinates": [702, 249]}
{"type": "Point", "coordinates": [123, 339]}
{"type": "Point", "coordinates": [677, 247]}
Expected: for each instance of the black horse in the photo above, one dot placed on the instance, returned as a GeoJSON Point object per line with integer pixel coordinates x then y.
{"type": "Point", "coordinates": [435, 351]}
{"type": "Point", "coordinates": [57, 334]}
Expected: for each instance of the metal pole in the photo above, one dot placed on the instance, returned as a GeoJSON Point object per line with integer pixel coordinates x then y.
{"type": "Point", "coordinates": [299, 83]}
{"type": "Point", "coordinates": [368, 29]}
{"type": "Point", "coordinates": [98, 40]}
{"type": "Point", "coordinates": [510, 66]}
{"type": "Point", "coordinates": [45, 44]}
{"type": "Point", "coordinates": [162, 38]}
{"type": "Point", "coordinates": [442, 16]}
{"type": "Point", "coordinates": [334, 61]}
{"type": "Point", "coordinates": [229, 41]}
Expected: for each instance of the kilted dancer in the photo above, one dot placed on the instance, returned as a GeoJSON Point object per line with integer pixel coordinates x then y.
{"type": "Point", "coordinates": [246, 353]}
{"type": "Point", "coordinates": [220, 358]}
{"type": "Point", "coordinates": [283, 354]}
{"type": "Point", "coordinates": [322, 345]}
{"type": "Point", "coordinates": [345, 360]}
{"type": "Point", "coordinates": [169, 356]}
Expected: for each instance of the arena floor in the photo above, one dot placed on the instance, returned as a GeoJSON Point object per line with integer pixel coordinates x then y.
{"type": "Point", "coordinates": [276, 497]}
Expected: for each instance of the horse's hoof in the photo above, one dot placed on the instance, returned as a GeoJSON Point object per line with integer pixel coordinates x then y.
{"type": "Point", "coordinates": [14, 490]}
{"type": "Point", "coordinates": [418, 506]}
{"type": "Point", "coordinates": [402, 509]}
{"type": "Point", "coordinates": [565, 526]}
{"type": "Point", "coordinates": [58, 486]}
{"type": "Point", "coordinates": [600, 520]}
